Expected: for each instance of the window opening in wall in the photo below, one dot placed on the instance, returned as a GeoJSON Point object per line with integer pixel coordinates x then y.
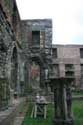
{"type": "Point", "coordinates": [69, 66]}
{"type": "Point", "coordinates": [69, 69]}
{"type": "Point", "coordinates": [54, 52]}
{"type": "Point", "coordinates": [81, 70]}
{"type": "Point", "coordinates": [81, 52]}
{"type": "Point", "coordinates": [54, 72]}
{"type": "Point", "coordinates": [35, 38]}
{"type": "Point", "coordinates": [81, 75]}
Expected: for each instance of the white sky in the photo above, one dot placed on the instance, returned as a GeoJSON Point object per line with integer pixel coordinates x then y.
{"type": "Point", "coordinates": [67, 17]}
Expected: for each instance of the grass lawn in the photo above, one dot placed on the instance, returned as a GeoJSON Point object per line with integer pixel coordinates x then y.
{"type": "Point", "coordinates": [77, 93]}
{"type": "Point", "coordinates": [77, 108]}
{"type": "Point", "coordinates": [39, 121]}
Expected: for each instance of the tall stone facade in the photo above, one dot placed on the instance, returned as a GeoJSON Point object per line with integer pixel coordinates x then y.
{"type": "Point", "coordinates": [36, 47]}
{"type": "Point", "coordinates": [8, 41]}
{"type": "Point", "coordinates": [18, 50]}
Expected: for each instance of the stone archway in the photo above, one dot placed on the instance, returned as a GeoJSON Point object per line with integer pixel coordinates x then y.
{"type": "Point", "coordinates": [35, 75]}
{"type": "Point", "coordinates": [39, 69]}
{"type": "Point", "coordinates": [37, 64]}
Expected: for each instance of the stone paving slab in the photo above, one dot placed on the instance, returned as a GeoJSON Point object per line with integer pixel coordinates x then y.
{"type": "Point", "coordinates": [20, 117]}
{"type": "Point", "coordinates": [7, 117]}
{"type": "Point", "coordinates": [18, 121]}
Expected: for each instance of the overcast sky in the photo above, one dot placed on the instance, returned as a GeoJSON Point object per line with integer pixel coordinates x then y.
{"type": "Point", "coordinates": [67, 16]}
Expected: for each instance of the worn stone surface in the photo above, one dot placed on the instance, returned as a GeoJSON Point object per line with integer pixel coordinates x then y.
{"type": "Point", "coordinates": [8, 117]}
{"type": "Point", "coordinates": [40, 53]}
{"type": "Point", "coordinates": [7, 43]}
{"type": "Point", "coordinates": [17, 52]}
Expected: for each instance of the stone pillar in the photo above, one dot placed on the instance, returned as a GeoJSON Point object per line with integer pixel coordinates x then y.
{"type": "Point", "coordinates": [27, 75]}
{"type": "Point", "coordinates": [62, 100]}
{"type": "Point", "coordinates": [42, 77]}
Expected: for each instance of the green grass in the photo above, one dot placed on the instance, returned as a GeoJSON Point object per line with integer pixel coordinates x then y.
{"type": "Point", "coordinates": [77, 93]}
{"type": "Point", "coordinates": [39, 121]}
{"type": "Point", "coordinates": [77, 108]}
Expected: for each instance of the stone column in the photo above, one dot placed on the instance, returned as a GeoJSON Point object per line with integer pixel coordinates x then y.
{"type": "Point", "coordinates": [42, 77]}
{"type": "Point", "coordinates": [27, 75]}
{"type": "Point", "coordinates": [62, 100]}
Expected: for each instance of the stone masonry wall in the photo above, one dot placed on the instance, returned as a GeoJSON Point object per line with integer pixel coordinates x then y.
{"type": "Point", "coordinates": [69, 54]}
{"type": "Point", "coordinates": [8, 39]}
{"type": "Point", "coordinates": [40, 53]}
{"type": "Point", "coordinates": [44, 26]}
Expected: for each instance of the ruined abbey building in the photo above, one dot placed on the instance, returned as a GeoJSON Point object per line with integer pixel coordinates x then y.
{"type": "Point", "coordinates": [36, 47]}
{"type": "Point", "coordinates": [22, 43]}
{"type": "Point", "coordinates": [27, 56]}
{"type": "Point", "coordinates": [9, 36]}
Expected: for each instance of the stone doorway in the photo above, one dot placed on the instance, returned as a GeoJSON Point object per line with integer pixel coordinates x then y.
{"type": "Point", "coordinates": [37, 65]}
{"type": "Point", "coordinates": [35, 75]}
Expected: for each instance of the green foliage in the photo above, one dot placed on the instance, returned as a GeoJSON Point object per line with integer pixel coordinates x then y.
{"type": "Point", "coordinates": [77, 92]}
{"type": "Point", "coordinates": [28, 89]}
